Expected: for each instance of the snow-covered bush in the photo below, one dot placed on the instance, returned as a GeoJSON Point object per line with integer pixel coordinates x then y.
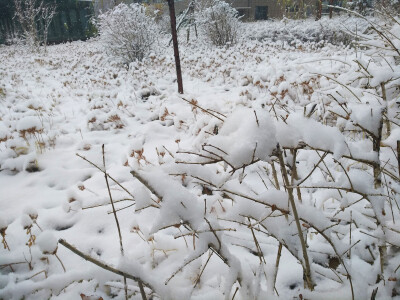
{"type": "Point", "coordinates": [219, 22]}
{"type": "Point", "coordinates": [127, 32]}
{"type": "Point", "coordinates": [217, 210]}
{"type": "Point", "coordinates": [335, 31]}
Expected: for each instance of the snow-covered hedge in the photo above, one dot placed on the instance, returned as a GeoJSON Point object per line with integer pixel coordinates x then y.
{"type": "Point", "coordinates": [336, 31]}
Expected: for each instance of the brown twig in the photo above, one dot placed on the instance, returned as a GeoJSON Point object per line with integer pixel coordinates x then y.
{"type": "Point", "coordinates": [202, 109]}
{"type": "Point", "coordinates": [115, 217]}
{"type": "Point", "coordinates": [306, 263]}
{"type": "Point", "coordinates": [108, 175]}
{"type": "Point", "coordinates": [202, 270]}
{"type": "Point", "coordinates": [105, 266]}
{"type": "Point", "coordinates": [278, 258]}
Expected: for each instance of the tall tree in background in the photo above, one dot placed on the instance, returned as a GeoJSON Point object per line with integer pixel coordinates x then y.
{"type": "Point", "coordinates": [319, 10]}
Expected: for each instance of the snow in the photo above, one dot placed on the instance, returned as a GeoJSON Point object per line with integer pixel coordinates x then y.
{"type": "Point", "coordinates": [26, 221]}
{"type": "Point", "coordinates": [245, 132]}
{"type": "Point", "coordinates": [3, 222]}
{"type": "Point", "coordinates": [28, 123]}
{"type": "Point", "coordinates": [311, 132]}
{"type": "Point", "coordinates": [198, 182]}
{"type": "Point", "coordinates": [31, 212]}
{"type": "Point", "coordinates": [47, 242]}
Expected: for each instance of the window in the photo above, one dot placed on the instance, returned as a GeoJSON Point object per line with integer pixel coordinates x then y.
{"type": "Point", "coordinates": [261, 12]}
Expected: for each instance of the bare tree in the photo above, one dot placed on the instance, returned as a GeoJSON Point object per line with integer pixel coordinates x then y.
{"type": "Point", "coordinates": [31, 13]}
{"type": "Point", "coordinates": [47, 15]}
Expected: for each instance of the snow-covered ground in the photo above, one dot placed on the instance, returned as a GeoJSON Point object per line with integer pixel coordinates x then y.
{"type": "Point", "coordinates": [208, 156]}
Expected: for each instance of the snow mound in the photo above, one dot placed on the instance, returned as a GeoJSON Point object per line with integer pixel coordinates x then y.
{"type": "Point", "coordinates": [246, 135]}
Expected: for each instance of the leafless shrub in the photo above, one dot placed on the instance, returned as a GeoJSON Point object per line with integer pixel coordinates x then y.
{"type": "Point", "coordinates": [128, 32]}
{"type": "Point", "coordinates": [34, 18]}
{"type": "Point", "coordinates": [219, 22]}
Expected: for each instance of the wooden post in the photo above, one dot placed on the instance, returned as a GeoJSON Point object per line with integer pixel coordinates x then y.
{"type": "Point", "coordinates": [171, 6]}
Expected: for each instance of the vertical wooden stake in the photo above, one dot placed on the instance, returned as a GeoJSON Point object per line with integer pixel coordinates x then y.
{"type": "Point", "coordinates": [171, 6]}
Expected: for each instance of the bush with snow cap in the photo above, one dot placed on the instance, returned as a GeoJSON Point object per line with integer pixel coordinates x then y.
{"type": "Point", "coordinates": [219, 22]}
{"type": "Point", "coordinates": [127, 32]}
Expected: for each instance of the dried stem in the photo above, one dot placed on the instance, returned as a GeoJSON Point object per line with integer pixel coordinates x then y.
{"type": "Point", "coordinates": [202, 270]}
{"type": "Point", "coordinates": [105, 266]}
{"type": "Point", "coordinates": [398, 156]}
{"type": "Point", "coordinates": [105, 173]}
{"type": "Point", "coordinates": [146, 184]}
{"type": "Point", "coordinates": [376, 146]}
{"type": "Point", "coordinates": [306, 262]}
{"type": "Point", "coordinates": [62, 265]}
{"type": "Point", "coordinates": [275, 175]}
{"type": "Point", "coordinates": [115, 216]}
{"type": "Point", "coordinates": [278, 259]}
{"type": "Point", "coordinates": [295, 175]}
{"type": "Point", "coordinates": [202, 109]}
{"type": "Point", "coordinates": [384, 97]}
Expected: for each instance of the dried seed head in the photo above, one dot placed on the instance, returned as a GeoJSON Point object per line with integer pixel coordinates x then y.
{"type": "Point", "coordinates": [47, 242]}
{"type": "Point", "coordinates": [31, 212]}
{"type": "Point", "coordinates": [26, 222]}
{"type": "Point", "coordinates": [3, 231]}
{"type": "Point", "coordinates": [3, 225]}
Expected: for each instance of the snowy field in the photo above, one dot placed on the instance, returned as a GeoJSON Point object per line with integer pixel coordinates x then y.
{"type": "Point", "coordinates": [203, 205]}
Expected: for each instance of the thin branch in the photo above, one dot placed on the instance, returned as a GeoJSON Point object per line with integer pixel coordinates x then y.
{"type": "Point", "coordinates": [306, 265]}
{"type": "Point", "coordinates": [215, 234]}
{"type": "Point", "coordinates": [109, 176]}
{"type": "Point", "coordinates": [202, 270]}
{"type": "Point", "coordinates": [115, 217]}
{"type": "Point", "coordinates": [202, 109]}
{"type": "Point", "coordinates": [105, 266]}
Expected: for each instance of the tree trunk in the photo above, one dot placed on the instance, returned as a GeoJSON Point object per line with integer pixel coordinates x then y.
{"type": "Point", "coordinates": [319, 10]}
